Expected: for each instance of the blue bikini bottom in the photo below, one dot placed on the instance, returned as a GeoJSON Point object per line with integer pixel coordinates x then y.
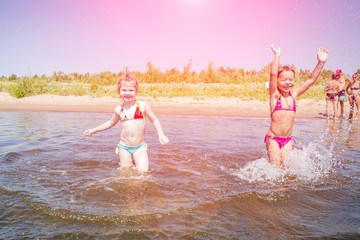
{"type": "Point", "coordinates": [129, 149]}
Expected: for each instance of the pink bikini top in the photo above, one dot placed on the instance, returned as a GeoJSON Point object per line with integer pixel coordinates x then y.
{"type": "Point", "coordinates": [279, 105]}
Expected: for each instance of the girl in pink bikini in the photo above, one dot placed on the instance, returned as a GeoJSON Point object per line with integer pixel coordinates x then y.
{"type": "Point", "coordinates": [132, 114]}
{"type": "Point", "coordinates": [283, 105]}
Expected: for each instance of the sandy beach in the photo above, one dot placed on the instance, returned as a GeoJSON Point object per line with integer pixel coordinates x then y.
{"type": "Point", "coordinates": [179, 105]}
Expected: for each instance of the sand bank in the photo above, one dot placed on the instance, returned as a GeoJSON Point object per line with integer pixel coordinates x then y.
{"type": "Point", "coordinates": [177, 105]}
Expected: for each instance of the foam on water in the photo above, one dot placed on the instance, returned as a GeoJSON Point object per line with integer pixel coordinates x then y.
{"type": "Point", "coordinates": [310, 163]}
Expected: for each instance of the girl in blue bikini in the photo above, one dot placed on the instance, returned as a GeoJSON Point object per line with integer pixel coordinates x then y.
{"type": "Point", "coordinates": [132, 114]}
{"type": "Point", "coordinates": [283, 105]}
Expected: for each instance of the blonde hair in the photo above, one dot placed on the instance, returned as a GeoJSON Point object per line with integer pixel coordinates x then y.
{"type": "Point", "coordinates": [127, 78]}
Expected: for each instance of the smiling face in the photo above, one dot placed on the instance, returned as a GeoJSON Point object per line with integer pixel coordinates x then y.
{"type": "Point", "coordinates": [128, 91]}
{"type": "Point", "coordinates": [128, 87]}
{"type": "Point", "coordinates": [286, 81]}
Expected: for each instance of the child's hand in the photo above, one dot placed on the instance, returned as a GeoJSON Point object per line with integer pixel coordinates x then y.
{"type": "Point", "coordinates": [276, 51]}
{"type": "Point", "coordinates": [164, 140]}
{"type": "Point", "coordinates": [322, 54]}
{"type": "Point", "coordinates": [89, 132]}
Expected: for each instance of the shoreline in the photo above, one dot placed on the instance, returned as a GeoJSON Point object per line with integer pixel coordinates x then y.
{"type": "Point", "coordinates": [229, 107]}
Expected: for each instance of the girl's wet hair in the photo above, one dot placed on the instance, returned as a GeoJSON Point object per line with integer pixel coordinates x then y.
{"type": "Point", "coordinates": [127, 78]}
{"type": "Point", "coordinates": [285, 68]}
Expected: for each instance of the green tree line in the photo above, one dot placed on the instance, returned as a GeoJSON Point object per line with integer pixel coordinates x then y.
{"type": "Point", "coordinates": [102, 84]}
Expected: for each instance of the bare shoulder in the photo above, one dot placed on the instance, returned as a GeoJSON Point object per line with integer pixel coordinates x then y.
{"type": "Point", "coordinates": [117, 110]}
{"type": "Point", "coordinates": [342, 78]}
{"type": "Point", "coordinates": [143, 104]}
{"type": "Point", "coordinates": [296, 93]}
{"type": "Point", "coordinates": [145, 107]}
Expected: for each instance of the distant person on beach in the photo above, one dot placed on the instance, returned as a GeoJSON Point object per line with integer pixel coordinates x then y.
{"type": "Point", "coordinates": [283, 105]}
{"type": "Point", "coordinates": [332, 88]}
{"type": "Point", "coordinates": [353, 90]}
{"type": "Point", "coordinates": [132, 114]}
{"type": "Point", "coordinates": [342, 80]}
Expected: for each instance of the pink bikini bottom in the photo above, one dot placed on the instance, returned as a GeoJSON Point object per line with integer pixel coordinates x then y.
{"type": "Point", "coordinates": [280, 140]}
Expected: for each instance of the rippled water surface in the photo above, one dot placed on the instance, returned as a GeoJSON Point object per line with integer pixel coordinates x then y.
{"type": "Point", "coordinates": [211, 182]}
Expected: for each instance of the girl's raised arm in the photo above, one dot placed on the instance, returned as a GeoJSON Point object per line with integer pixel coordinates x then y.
{"type": "Point", "coordinates": [322, 57]}
{"type": "Point", "coordinates": [274, 70]}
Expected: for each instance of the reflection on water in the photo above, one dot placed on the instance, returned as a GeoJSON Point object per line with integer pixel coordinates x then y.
{"type": "Point", "coordinates": [212, 181]}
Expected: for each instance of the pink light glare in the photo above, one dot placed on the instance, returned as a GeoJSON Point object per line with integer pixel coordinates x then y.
{"type": "Point", "coordinates": [94, 36]}
{"type": "Point", "coordinates": [192, 2]}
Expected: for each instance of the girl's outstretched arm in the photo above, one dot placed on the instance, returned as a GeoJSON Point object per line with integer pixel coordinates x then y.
{"type": "Point", "coordinates": [106, 125]}
{"type": "Point", "coordinates": [322, 57]}
{"type": "Point", "coordinates": [274, 70]}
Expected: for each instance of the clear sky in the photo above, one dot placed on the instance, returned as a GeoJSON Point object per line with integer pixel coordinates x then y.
{"type": "Point", "coordinates": [92, 36]}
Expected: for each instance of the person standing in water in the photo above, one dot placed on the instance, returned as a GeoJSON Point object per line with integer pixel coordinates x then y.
{"type": "Point", "coordinates": [283, 105]}
{"type": "Point", "coordinates": [332, 88]}
{"type": "Point", "coordinates": [132, 114]}
{"type": "Point", "coordinates": [342, 80]}
{"type": "Point", "coordinates": [353, 90]}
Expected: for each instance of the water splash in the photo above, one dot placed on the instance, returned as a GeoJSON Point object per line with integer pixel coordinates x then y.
{"type": "Point", "coordinates": [312, 162]}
